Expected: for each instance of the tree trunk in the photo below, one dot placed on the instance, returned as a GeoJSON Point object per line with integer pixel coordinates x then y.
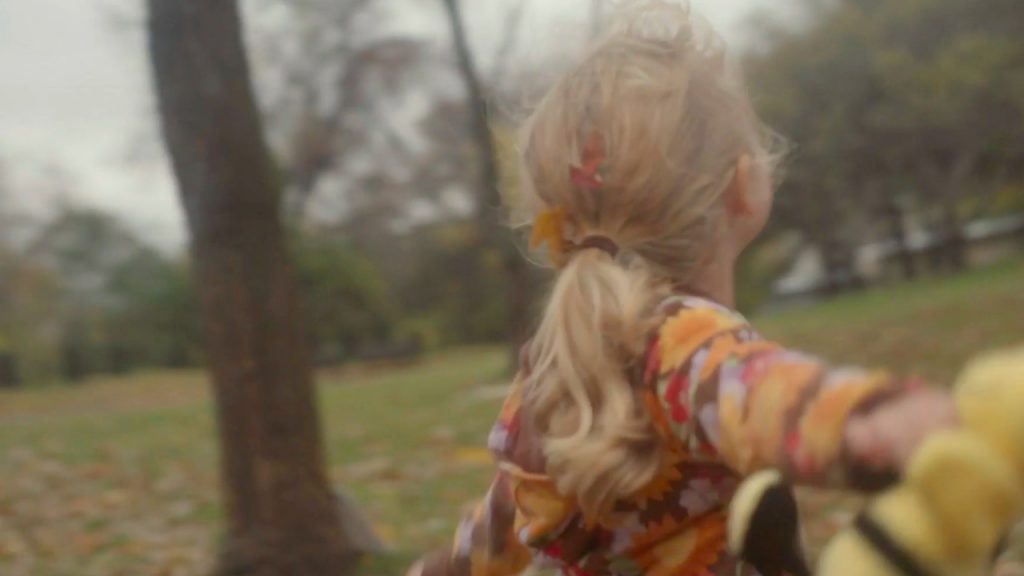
{"type": "Point", "coordinates": [520, 306]}
{"type": "Point", "coordinates": [492, 230]}
{"type": "Point", "coordinates": [282, 517]}
{"type": "Point", "coordinates": [949, 181]}
{"type": "Point", "coordinates": [8, 371]}
{"type": "Point", "coordinates": [838, 257]}
{"type": "Point", "coordinates": [840, 272]}
{"type": "Point", "coordinates": [898, 231]}
{"type": "Point", "coordinates": [954, 244]}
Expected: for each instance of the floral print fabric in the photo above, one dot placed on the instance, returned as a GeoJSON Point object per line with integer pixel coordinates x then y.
{"type": "Point", "coordinates": [726, 402]}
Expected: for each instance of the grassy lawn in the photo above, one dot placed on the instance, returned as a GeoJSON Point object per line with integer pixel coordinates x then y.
{"type": "Point", "coordinates": [929, 328]}
{"type": "Point", "coordinates": [118, 477]}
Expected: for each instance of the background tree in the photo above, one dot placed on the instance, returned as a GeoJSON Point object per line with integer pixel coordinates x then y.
{"type": "Point", "coordinates": [330, 86]}
{"type": "Point", "coordinates": [492, 230]}
{"type": "Point", "coordinates": [902, 116]}
{"type": "Point", "coordinates": [332, 70]}
{"type": "Point", "coordinates": [812, 88]}
{"type": "Point", "coordinates": [372, 139]}
{"type": "Point", "coordinates": [345, 301]}
{"type": "Point", "coordinates": [8, 364]}
{"type": "Point", "coordinates": [105, 308]}
{"type": "Point", "coordinates": [952, 105]}
{"type": "Point", "coordinates": [282, 517]}
{"type": "Point", "coordinates": [152, 319]}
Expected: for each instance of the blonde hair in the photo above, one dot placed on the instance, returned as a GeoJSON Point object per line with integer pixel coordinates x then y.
{"type": "Point", "coordinates": [673, 124]}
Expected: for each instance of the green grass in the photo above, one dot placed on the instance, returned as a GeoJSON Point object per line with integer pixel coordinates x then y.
{"type": "Point", "coordinates": [118, 476]}
{"type": "Point", "coordinates": [414, 450]}
{"type": "Point", "coordinates": [930, 327]}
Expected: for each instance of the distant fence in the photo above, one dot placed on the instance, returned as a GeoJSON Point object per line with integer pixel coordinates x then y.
{"type": "Point", "coordinates": [809, 280]}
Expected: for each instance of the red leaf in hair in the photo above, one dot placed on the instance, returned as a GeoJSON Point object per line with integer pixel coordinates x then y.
{"type": "Point", "coordinates": [584, 179]}
{"type": "Point", "coordinates": [587, 176]}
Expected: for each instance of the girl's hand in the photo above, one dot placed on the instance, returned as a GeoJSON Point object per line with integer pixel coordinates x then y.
{"type": "Point", "coordinates": [887, 437]}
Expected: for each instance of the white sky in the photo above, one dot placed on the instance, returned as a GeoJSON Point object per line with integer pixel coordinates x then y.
{"type": "Point", "coordinates": [74, 92]}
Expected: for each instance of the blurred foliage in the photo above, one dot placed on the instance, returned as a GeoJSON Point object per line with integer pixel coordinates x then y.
{"type": "Point", "coordinates": [904, 116]}
{"type": "Point", "coordinates": [86, 296]}
{"type": "Point", "coordinates": [455, 298]}
{"type": "Point", "coordinates": [345, 299]}
{"type": "Point", "coordinates": [900, 112]}
{"type": "Point", "coordinates": [758, 268]}
{"type": "Point", "coordinates": [83, 295]}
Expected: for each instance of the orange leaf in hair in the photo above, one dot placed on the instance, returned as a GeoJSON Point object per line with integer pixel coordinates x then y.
{"type": "Point", "coordinates": [548, 229]}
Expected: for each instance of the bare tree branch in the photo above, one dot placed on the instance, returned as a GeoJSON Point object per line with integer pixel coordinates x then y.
{"type": "Point", "coordinates": [506, 47]}
{"type": "Point", "coordinates": [489, 199]}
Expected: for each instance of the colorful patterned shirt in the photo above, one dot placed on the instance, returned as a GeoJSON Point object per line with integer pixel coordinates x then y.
{"type": "Point", "coordinates": [726, 403]}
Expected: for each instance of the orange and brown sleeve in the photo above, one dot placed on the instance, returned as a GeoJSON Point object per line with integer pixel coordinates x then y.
{"type": "Point", "coordinates": [758, 405]}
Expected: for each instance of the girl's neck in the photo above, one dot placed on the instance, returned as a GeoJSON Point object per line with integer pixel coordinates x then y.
{"type": "Point", "coordinates": [716, 281]}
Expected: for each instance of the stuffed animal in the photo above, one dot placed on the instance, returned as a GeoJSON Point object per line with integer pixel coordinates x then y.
{"type": "Point", "coordinates": [960, 494]}
{"type": "Point", "coordinates": [764, 526]}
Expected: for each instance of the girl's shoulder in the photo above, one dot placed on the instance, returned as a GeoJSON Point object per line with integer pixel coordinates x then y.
{"type": "Point", "coordinates": [674, 304]}
{"type": "Point", "coordinates": [687, 324]}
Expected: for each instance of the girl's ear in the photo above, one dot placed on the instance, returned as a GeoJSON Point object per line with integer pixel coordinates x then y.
{"type": "Point", "coordinates": [737, 194]}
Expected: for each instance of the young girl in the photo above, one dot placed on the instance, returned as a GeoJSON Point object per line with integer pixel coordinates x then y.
{"type": "Point", "coordinates": [644, 398]}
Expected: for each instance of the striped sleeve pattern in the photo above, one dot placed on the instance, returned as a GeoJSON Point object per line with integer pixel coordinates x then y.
{"type": "Point", "coordinates": [731, 395]}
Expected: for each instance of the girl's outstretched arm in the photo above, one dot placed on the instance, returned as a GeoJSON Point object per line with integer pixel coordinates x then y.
{"type": "Point", "coordinates": [732, 395]}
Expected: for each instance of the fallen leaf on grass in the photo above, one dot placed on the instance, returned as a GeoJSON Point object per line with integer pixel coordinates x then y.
{"type": "Point", "coordinates": [385, 532]}
{"type": "Point", "coordinates": [476, 456]}
{"type": "Point", "coordinates": [373, 468]}
{"type": "Point", "coordinates": [84, 544]}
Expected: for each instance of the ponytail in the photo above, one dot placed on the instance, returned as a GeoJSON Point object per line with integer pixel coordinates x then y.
{"type": "Point", "coordinates": [638, 142]}
{"type": "Point", "coordinates": [599, 442]}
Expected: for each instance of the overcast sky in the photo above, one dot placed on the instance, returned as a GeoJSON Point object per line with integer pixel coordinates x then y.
{"type": "Point", "coordinates": [74, 92]}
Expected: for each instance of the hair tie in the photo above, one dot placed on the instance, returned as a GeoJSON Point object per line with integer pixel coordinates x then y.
{"type": "Point", "coordinates": [602, 243]}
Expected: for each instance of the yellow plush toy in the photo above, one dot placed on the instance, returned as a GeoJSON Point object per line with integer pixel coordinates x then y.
{"type": "Point", "coordinates": [961, 492]}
